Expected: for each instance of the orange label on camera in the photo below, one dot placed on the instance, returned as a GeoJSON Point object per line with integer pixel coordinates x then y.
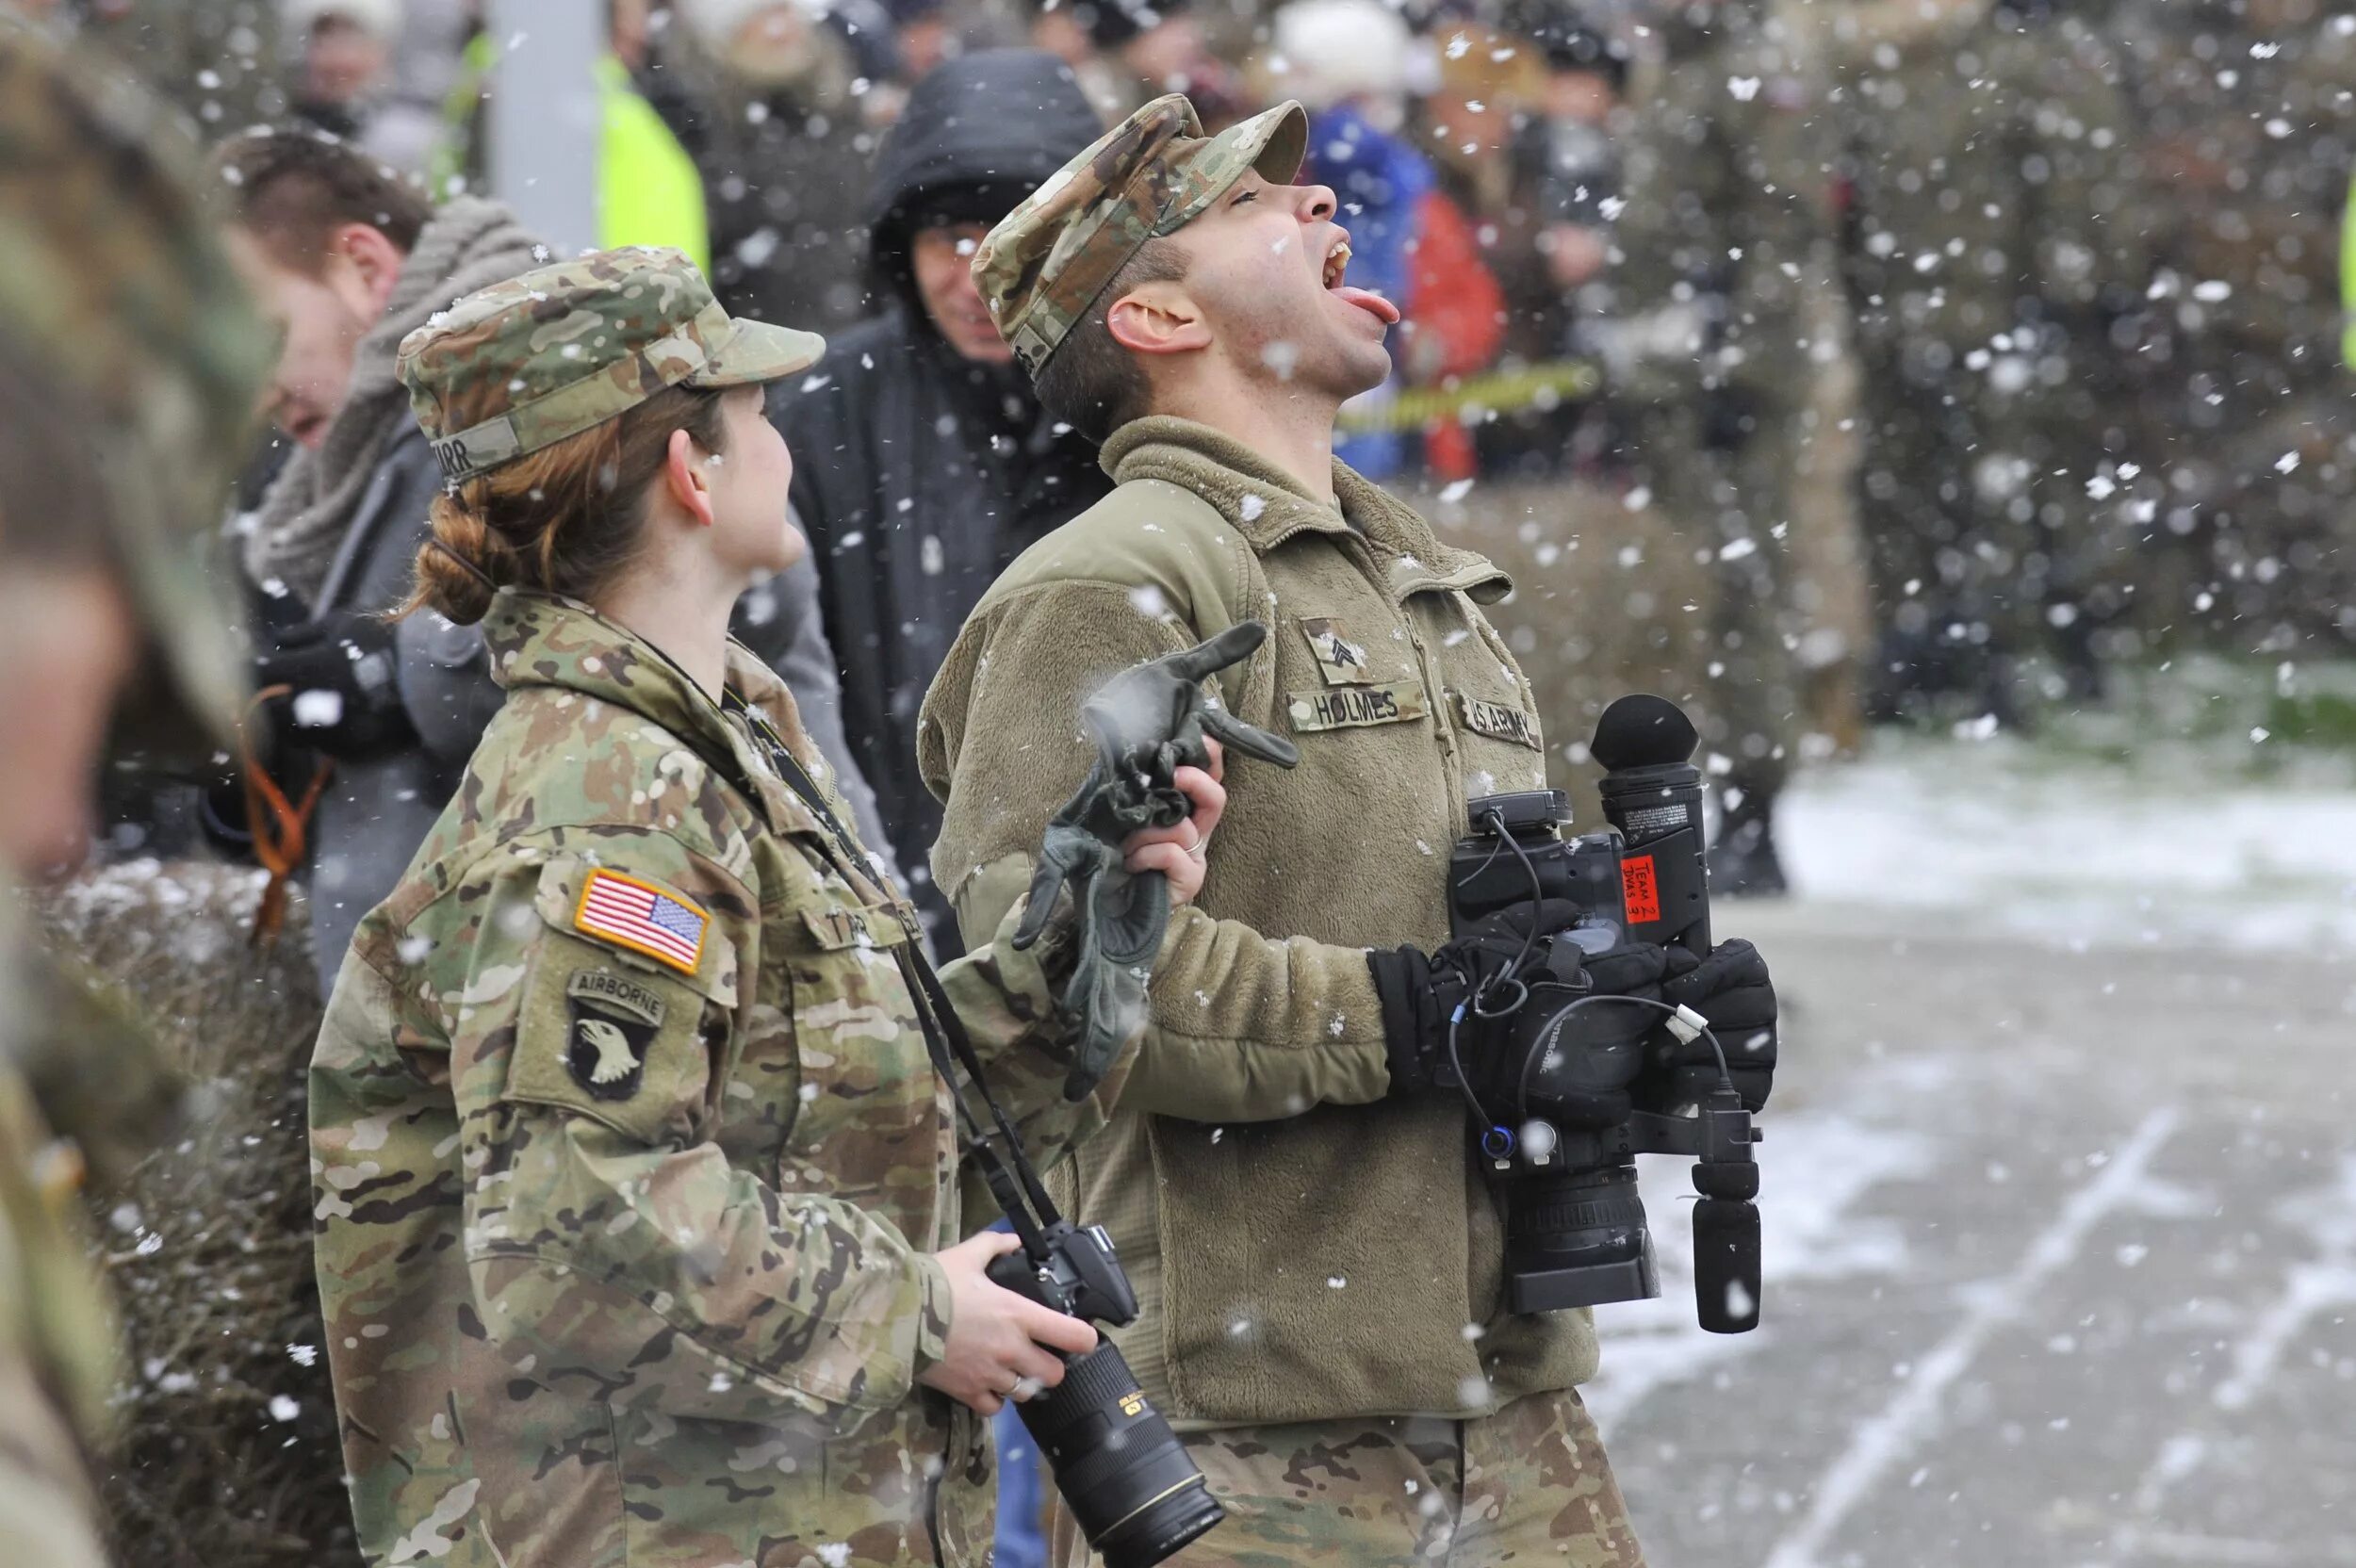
{"type": "Point", "coordinates": [1641, 891]}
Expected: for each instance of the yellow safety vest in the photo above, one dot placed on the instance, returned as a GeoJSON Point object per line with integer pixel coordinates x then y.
{"type": "Point", "coordinates": [650, 191]}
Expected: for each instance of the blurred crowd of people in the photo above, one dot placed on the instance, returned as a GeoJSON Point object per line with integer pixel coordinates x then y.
{"type": "Point", "coordinates": [2030, 315]}
{"type": "Point", "coordinates": [2034, 313]}
{"type": "Point", "coordinates": [2078, 263]}
{"type": "Point", "coordinates": [2055, 299]}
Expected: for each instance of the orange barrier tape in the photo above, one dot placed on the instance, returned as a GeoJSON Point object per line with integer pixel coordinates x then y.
{"type": "Point", "coordinates": [281, 828]}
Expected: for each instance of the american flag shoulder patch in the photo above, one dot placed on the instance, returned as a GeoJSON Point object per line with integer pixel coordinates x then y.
{"type": "Point", "coordinates": [643, 918]}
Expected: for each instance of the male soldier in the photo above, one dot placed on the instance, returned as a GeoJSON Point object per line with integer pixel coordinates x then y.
{"type": "Point", "coordinates": [1992, 244]}
{"type": "Point", "coordinates": [127, 358]}
{"type": "Point", "coordinates": [1318, 1262]}
{"type": "Point", "coordinates": [1727, 241]}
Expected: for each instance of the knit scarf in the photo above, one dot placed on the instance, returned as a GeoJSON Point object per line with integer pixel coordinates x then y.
{"type": "Point", "coordinates": [467, 244]}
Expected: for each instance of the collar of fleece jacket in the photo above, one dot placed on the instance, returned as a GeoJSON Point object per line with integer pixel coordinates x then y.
{"type": "Point", "coordinates": [1268, 507]}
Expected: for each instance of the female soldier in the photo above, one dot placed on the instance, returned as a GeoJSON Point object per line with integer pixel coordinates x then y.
{"type": "Point", "coordinates": [635, 1181]}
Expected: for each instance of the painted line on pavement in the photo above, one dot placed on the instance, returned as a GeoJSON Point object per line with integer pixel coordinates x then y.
{"type": "Point", "coordinates": [2225, 1552]}
{"type": "Point", "coordinates": [1912, 1413]}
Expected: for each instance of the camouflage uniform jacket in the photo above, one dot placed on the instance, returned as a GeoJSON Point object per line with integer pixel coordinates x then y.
{"type": "Point", "coordinates": [59, 1359]}
{"type": "Point", "coordinates": [628, 1152]}
{"type": "Point", "coordinates": [1306, 1246]}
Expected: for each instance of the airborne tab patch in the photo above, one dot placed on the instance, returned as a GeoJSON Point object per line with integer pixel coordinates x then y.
{"type": "Point", "coordinates": [1498, 722]}
{"type": "Point", "coordinates": [1354, 706]}
{"type": "Point", "coordinates": [1341, 660]}
{"type": "Point", "coordinates": [642, 918]}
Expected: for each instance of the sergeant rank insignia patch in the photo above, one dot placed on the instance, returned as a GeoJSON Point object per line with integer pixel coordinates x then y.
{"type": "Point", "coordinates": [613, 1023]}
{"type": "Point", "coordinates": [1340, 660]}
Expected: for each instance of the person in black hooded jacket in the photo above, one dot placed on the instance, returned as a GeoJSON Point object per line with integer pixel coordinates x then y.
{"type": "Point", "coordinates": [924, 463]}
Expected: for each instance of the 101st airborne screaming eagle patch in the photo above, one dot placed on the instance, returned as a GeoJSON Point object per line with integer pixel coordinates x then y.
{"type": "Point", "coordinates": [611, 1025]}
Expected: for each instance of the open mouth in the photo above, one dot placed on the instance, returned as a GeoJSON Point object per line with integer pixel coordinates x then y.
{"type": "Point", "coordinates": [1336, 268]}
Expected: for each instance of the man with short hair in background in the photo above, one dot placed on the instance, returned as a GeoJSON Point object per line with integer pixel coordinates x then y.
{"type": "Point", "coordinates": [347, 260]}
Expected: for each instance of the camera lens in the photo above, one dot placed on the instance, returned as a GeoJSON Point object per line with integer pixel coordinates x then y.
{"type": "Point", "coordinates": [1577, 1239]}
{"type": "Point", "coordinates": [1135, 1494]}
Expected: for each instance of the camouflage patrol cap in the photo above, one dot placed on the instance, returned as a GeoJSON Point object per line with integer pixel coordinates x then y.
{"type": "Point", "coordinates": [1047, 261]}
{"type": "Point", "coordinates": [114, 290]}
{"type": "Point", "coordinates": [524, 364]}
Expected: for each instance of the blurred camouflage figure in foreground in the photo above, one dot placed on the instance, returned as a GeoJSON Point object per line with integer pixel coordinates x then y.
{"type": "Point", "coordinates": [127, 359]}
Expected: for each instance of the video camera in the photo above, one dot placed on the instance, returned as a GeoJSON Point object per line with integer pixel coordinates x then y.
{"type": "Point", "coordinates": [1557, 1130]}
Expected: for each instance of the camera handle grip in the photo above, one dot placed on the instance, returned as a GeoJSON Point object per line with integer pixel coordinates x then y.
{"type": "Point", "coordinates": [1727, 1277]}
{"type": "Point", "coordinates": [1726, 1265]}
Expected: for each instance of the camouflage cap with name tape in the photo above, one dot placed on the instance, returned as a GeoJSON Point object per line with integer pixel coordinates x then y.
{"type": "Point", "coordinates": [525, 364]}
{"type": "Point", "coordinates": [1047, 261]}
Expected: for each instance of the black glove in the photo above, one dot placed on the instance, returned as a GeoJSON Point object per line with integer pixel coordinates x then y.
{"type": "Point", "coordinates": [342, 698]}
{"type": "Point", "coordinates": [1732, 991]}
{"type": "Point", "coordinates": [1148, 721]}
{"type": "Point", "coordinates": [1420, 994]}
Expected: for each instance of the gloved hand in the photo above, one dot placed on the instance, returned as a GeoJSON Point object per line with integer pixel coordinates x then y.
{"type": "Point", "coordinates": [1419, 994]}
{"type": "Point", "coordinates": [1148, 721]}
{"type": "Point", "coordinates": [1732, 991]}
{"type": "Point", "coordinates": [342, 698]}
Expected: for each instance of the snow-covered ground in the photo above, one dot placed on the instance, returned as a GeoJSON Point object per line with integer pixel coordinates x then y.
{"type": "Point", "coordinates": [2001, 836]}
{"type": "Point", "coordinates": [2058, 1202]}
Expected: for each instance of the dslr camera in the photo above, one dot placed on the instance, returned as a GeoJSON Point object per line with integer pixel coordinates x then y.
{"type": "Point", "coordinates": [1129, 1485]}
{"type": "Point", "coordinates": [1557, 1125]}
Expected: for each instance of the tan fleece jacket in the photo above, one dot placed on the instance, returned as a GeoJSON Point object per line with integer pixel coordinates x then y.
{"type": "Point", "coordinates": [1305, 1249]}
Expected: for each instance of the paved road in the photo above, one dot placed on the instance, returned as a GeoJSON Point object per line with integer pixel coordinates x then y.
{"type": "Point", "coordinates": [2060, 1268]}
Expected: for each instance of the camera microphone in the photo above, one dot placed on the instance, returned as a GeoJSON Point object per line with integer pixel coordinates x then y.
{"type": "Point", "coordinates": [1726, 1265]}
{"type": "Point", "coordinates": [1652, 795]}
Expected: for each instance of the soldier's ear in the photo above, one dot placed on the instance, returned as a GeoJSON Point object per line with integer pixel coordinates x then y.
{"type": "Point", "coordinates": [1157, 318]}
{"type": "Point", "coordinates": [687, 477]}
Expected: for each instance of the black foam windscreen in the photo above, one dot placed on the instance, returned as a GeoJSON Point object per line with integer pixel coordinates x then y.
{"type": "Point", "coordinates": [1726, 1265]}
{"type": "Point", "coordinates": [1642, 732]}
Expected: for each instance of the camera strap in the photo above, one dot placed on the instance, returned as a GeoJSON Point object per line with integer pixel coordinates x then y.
{"type": "Point", "coordinates": [1013, 1181]}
